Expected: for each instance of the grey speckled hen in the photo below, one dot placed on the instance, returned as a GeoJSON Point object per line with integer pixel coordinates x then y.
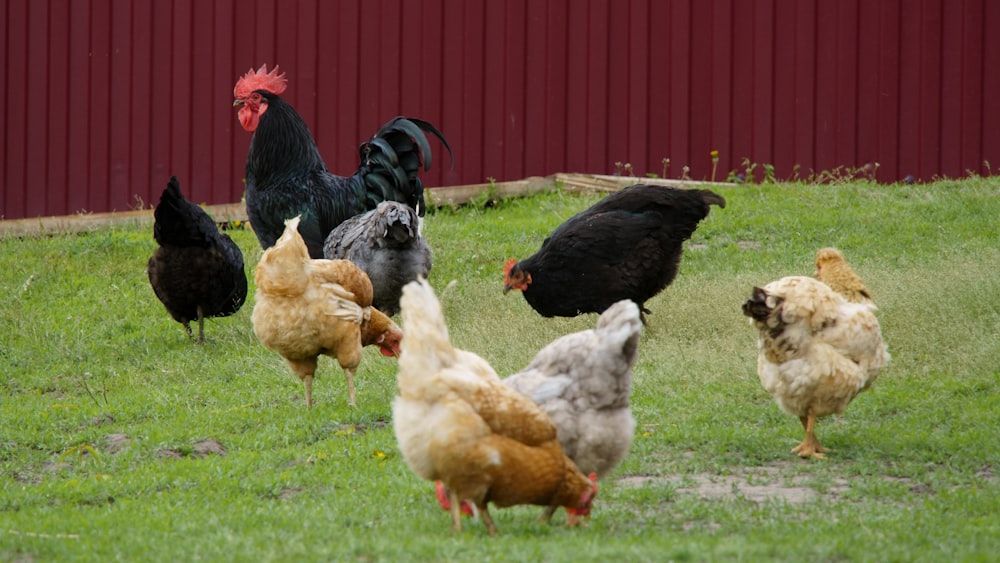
{"type": "Point", "coordinates": [386, 244]}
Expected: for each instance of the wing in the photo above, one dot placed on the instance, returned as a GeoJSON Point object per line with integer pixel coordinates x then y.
{"type": "Point", "coordinates": [349, 238]}
{"type": "Point", "coordinates": [345, 274]}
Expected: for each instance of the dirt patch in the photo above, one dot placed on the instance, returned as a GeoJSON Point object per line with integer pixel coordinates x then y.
{"type": "Point", "coordinates": [358, 428]}
{"type": "Point", "coordinates": [761, 484]}
{"type": "Point", "coordinates": [203, 448]}
{"type": "Point", "coordinates": [114, 443]}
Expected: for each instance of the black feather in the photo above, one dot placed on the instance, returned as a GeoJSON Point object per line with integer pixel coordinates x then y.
{"type": "Point", "coordinates": [196, 272]}
{"type": "Point", "coordinates": [286, 176]}
{"type": "Point", "coordinates": [626, 246]}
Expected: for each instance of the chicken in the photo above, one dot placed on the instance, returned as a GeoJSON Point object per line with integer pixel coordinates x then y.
{"type": "Point", "coordinates": [833, 270]}
{"type": "Point", "coordinates": [583, 382]}
{"type": "Point", "coordinates": [305, 308]}
{"type": "Point", "coordinates": [816, 350]}
{"type": "Point", "coordinates": [456, 422]}
{"type": "Point", "coordinates": [386, 243]}
{"type": "Point", "coordinates": [196, 272]}
{"type": "Point", "coordinates": [286, 177]}
{"type": "Point", "coordinates": [626, 246]}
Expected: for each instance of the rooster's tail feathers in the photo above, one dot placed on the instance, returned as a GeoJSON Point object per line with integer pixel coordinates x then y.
{"type": "Point", "coordinates": [392, 159]}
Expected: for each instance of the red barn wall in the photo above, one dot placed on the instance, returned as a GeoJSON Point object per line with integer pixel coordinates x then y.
{"type": "Point", "coordinates": [102, 100]}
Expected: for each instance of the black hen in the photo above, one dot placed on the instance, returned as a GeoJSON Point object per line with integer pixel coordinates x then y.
{"type": "Point", "coordinates": [286, 177]}
{"type": "Point", "coordinates": [197, 271]}
{"type": "Point", "coordinates": [387, 245]}
{"type": "Point", "coordinates": [626, 246]}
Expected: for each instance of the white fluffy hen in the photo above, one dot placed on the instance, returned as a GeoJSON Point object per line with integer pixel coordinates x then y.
{"type": "Point", "coordinates": [583, 382]}
{"type": "Point", "coordinates": [816, 350]}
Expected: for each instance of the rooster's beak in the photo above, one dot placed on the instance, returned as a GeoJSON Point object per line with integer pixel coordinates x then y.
{"type": "Point", "coordinates": [506, 288]}
{"type": "Point", "coordinates": [237, 103]}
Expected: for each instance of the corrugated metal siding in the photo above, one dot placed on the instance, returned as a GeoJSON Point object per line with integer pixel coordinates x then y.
{"type": "Point", "coordinates": [102, 100]}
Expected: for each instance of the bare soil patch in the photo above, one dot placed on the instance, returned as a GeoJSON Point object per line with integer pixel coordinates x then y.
{"type": "Point", "coordinates": [760, 484]}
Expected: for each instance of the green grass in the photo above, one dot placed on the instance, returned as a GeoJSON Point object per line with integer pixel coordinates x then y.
{"type": "Point", "coordinates": [89, 357]}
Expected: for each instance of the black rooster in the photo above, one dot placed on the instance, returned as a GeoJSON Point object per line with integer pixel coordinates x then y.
{"type": "Point", "coordinates": [386, 243]}
{"type": "Point", "coordinates": [197, 272]}
{"type": "Point", "coordinates": [626, 246]}
{"type": "Point", "coordinates": [286, 177]}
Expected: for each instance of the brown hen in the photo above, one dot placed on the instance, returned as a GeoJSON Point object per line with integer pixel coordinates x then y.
{"type": "Point", "coordinates": [306, 308]}
{"type": "Point", "coordinates": [456, 422]}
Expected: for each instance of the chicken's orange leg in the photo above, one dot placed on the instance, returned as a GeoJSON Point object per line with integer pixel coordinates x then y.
{"type": "Point", "coordinates": [484, 510]}
{"type": "Point", "coordinates": [456, 516]}
{"type": "Point", "coordinates": [810, 446]}
{"type": "Point", "coordinates": [547, 514]}
{"type": "Point", "coordinates": [307, 380]}
{"type": "Point", "coordinates": [349, 374]}
{"type": "Point", "coordinates": [305, 369]}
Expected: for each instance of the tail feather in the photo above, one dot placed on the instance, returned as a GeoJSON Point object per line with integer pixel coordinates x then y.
{"type": "Point", "coordinates": [712, 198]}
{"type": "Point", "coordinates": [621, 328]}
{"type": "Point", "coordinates": [426, 348]}
{"type": "Point", "coordinates": [392, 159]}
{"type": "Point", "coordinates": [178, 222]}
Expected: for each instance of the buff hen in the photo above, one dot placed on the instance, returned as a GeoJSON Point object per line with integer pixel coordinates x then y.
{"type": "Point", "coordinates": [456, 422]}
{"type": "Point", "coordinates": [816, 350]}
{"type": "Point", "coordinates": [306, 308]}
{"type": "Point", "coordinates": [833, 270]}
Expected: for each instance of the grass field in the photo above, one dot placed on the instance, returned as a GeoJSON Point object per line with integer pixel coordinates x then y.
{"type": "Point", "coordinates": [122, 440]}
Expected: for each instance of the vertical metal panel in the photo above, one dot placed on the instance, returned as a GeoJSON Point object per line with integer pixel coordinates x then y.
{"type": "Point", "coordinates": [102, 100]}
{"type": "Point", "coordinates": [970, 95]}
{"type": "Point", "coordinates": [889, 87]}
{"type": "Point", "coordinates": [785, 114]}
{"type": "Point", "coordinates": [15, 116]}
{"type": "Point", "coordinates": [598, 82]}
{"type": "Point", "coordinates": [989, 125]}
{"type": "Point", "coordinates": [867, 113]}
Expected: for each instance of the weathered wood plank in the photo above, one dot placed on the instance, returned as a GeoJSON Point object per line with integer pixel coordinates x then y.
{"type": "Point", "coordinates": [436, 197]}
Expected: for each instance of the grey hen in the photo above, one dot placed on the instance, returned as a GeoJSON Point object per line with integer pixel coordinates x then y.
{"type": "Point", "coordinates": [386, 243]}
{"type": "Point", "coordinates": [583, 382]}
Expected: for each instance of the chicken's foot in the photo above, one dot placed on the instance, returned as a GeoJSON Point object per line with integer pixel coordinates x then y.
{"type": "Point", "coordinates": [810, 446]}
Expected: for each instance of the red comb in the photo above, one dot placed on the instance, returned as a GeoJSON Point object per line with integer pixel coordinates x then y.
{"type": "Point", "coordinates": [260, 79]}
{"type": "Point", "coordinates": [507, 267]}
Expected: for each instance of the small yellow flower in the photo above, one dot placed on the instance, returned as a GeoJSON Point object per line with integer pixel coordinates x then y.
{"type": "Point", "coordinates": [714, 155]}
{"type": "Point", "coordinates": [380, 454]}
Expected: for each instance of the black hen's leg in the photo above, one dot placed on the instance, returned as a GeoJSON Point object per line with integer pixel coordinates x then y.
{"type": "Point", "coordinates": [201, 326]}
